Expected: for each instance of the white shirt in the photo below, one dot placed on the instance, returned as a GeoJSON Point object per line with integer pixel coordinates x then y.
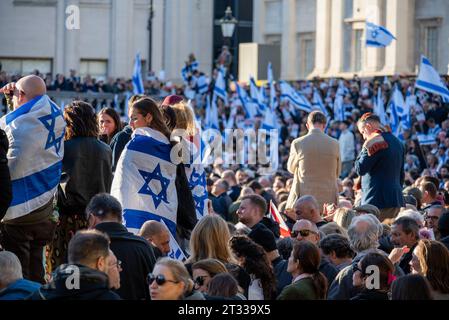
{"type": "Point", "coordinates": [255, 290]}
{"type": "Point", "coordinates": [347, 146]}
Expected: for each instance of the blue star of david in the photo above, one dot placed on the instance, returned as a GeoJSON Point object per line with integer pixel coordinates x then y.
{"type": "Point", "coordinates": [375, 33]}
{"type": "Point", "coordinates": [197, 179]}
{"type": "Point", "coordinates": [49, 122]}
{"type": "Point", "coordinates": [155, 175]}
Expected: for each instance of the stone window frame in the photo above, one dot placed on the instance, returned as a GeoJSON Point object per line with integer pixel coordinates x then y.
{"type": "Point", "coordinates": [422, 24]}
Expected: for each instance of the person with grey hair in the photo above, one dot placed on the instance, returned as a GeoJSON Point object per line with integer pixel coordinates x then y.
{"type": "Point", "coordinates": [364, 233]}
{"type": "Point", "coordinates": [221, 200]}
{"type": "Point", "coordinates": [12, 284]}
{"type": "Point", "coordinates": [135, 253]}
{"type": "Point", "coordinates": [415, 215]}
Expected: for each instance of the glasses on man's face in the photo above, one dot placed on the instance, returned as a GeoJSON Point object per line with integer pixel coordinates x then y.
{"type": "Point", "coordinates": [160, 279]}
{"type": "Point", "coordinates": [303, 233]}
{"type": "Point", "coordinates": [117, 264]}
{"type": "Point", "coordinates": [427, 217]}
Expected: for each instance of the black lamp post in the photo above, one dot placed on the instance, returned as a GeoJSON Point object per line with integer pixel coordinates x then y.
{"type": "Point", "coordinates": [150, 38]}
{"type": "Point", "coordinates": [228, 24]}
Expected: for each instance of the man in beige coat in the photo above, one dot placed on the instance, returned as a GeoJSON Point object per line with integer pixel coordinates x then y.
{"type": "Point", "coordinates": [315, 163]}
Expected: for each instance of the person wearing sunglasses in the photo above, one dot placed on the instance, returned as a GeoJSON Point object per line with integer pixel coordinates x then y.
{"type": "Point", "coordinates": [363, 273]}
{"type": "Point", "coordinates": [204, 270]}
{"type": "Point", "coordinates": [170, 280]}
{"type": "Point", "coordinates": [304, 230]}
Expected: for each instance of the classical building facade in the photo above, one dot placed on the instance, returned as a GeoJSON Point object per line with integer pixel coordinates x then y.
{"type": "Point", "coordinates": [327, 37]}
{"type": "Point", "coordinates": [34, 35]}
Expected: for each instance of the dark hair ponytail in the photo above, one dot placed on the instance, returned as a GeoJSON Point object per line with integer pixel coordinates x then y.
{"type": "Point", "coordinates": [146, 106]}
{"type": "Point", "coordinates": [309, 258]}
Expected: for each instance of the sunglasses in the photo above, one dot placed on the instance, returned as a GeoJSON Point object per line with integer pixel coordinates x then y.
{"type": "Point", "coordinates": [303, 233]}
{"type": "Point", "coordinates": [199, 281]}
{"type": "Point", "coordinates": [160, 279]}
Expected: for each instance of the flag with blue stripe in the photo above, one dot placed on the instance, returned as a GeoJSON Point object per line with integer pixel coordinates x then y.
{"type": "Point", "coordinates": [137, 76]}
{"type": "Point", "coordinates": [272, 88]}
{"type": "Point", "coordinates": [317, 102]}
{"type": "Point", "coordinates": [397, 112]}
{"type": "Point", "coordinates": [211, 121]}
{"type": "Point", "coordinates": [144, 181]}
{"type": "Point", "coordinates": [220, 86]}
{"type": "Point", "coordinates": [379, 108]}
{"type": "Point", "coordinates": [257, 96]}
{"type": "Point", "coordinates": [202, 84]}
{"type": "Point", "coordinates": [378, 36]}
{"type": "Point", "coordinates": [426, 139]}
{"type": "Point", "coordinates": [196, 175]}
{"type": "Point", "coordinates": [36, 134]}
{"type": "Point", "coordinates": [176, 252]}
{"type": "Point", "coordinates": [429, 80]}
{"type": "Point", "coordinates": [297, 100]}
{"type": "Point", "coordinates": [249, 107]}
{"type": "Point", "coordinates": [339, 110]}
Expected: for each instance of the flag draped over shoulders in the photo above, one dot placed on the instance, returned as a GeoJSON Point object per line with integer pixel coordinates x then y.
{"type": "Point", "coordinates": [36, 134]}
{"type": "Point", "coordinates": [144, 181]}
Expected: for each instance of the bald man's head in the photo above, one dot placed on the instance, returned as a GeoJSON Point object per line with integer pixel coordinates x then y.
{"type": "Point", "coordinates": [306, 230]}
{"type": "Point", "coordinates": [157, 234]}
{"type": "Point", "coordinates": [29, 87]}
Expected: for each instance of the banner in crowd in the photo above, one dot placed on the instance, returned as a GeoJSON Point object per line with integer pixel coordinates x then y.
{"type": "Point", "coordinates": [36, 131]}
{"type": "Point", "coordinates": [144, 181]}
{"type": "Point", "coordinates": [429, 80]}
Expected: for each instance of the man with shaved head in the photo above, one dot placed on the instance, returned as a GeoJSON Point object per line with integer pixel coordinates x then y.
{"type": "Point", "coordinates": [307, 208]}
{"type": "Point", "coordinates": [158, 236]}
{"type": "Point", "coordinates": [35, 129]}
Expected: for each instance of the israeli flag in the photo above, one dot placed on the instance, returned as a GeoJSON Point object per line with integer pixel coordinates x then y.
{"type": "Point", "coordinates": [426, 139]}
{"type": "Point", "coordinates": [196, 175]}
{"type": "Point", "coordinates": [220, 86]}
{"type": "Point", "coordinates": [211, 121]}
{"type": "Point", "coordinates": [339, 110]}
{"type": "Point", "coordinates": [202, 84]}
{"type": "Point", "coordinates": [137, 76]}
{"type": "Point", "coordinates": [297, 100]}
{"type": "Point", "coordinates": [379, 108]}
{"type": "Point", "coordinates": [175, 250]}
{"type": "Point", "coordinates": [272, 88]}
{"type": "Point", "coordinates": [144, 181]}
{"type": "Point", "coordinates": [378, 36]}
{"type": "Point", "coordinates": [429, 80]}
{"type": "Point", "coordinates": [257, 96]}
{"type": "Point", "coordinates": [397, 112]}
{"type": "Point", "coordinates": [36, 134]}
{"type": "Point", "coordinates": [317, 102]}
{"type": "Point", "coordinates": [245, 101]}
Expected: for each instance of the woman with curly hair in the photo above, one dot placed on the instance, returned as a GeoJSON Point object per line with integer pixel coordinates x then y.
{"type": "Point", "coordinates": [431, 260]}
{"type": "Point", "coordinates": [253, 258]}
{"type": "Point", "coordinates": [83, 176]}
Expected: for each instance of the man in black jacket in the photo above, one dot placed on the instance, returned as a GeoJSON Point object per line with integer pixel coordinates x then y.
{"type": "Point", "coordinates": [136, 255]}
{"type": "Point", "coordinates": [86, 275]}
{"type": "Point", "coordinates": [5, 178]}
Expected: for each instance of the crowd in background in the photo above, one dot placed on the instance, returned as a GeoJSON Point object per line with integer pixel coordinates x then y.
{"type": "Point", "coordinates": [237, 252]}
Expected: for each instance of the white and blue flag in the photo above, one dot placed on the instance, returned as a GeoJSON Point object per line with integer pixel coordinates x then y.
{"type": "Point", "coordinates": [176, 252]}
{"type": "Point", "coordinates": [220, 86]}
{"type": "Point", "coordinates": [245, 101]}
{"type": "Point", "coordinates": [202, 84]}
{"type": "Point", "coordinates": [398, 116]}
{"type": "Point", "coordinates": [429, 80]}
{"type": "Point", "coordinates": [270, 79]}
{"type": "Point", "coordinates": [379, 108]}
{"type": "Point", "coordinates": [36, 134]}
{"type": "Point", "coordinates": [137, 76]}
{"type": "Point", "coordinates": [295, 99]}
{"type": "Point", "coordinates": [378, 36]}
{"type": "Point", "coordinates": [257, 96]}
{"type": "Point", "coordinates": [317, 102]}
{"type": "Point", "coordinates": [339, 110]}
{"type": "Point", "coordinates": [144, 181]}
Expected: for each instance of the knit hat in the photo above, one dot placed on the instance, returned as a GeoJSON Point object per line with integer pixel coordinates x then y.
{"type": "Point", "coordinates": [172, 100]}
{"type": "Point", "coordinates": [264, 237]}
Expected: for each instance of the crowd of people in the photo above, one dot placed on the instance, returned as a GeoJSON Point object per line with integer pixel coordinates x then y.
{"type": "Point", "coordinates": [353, 198]}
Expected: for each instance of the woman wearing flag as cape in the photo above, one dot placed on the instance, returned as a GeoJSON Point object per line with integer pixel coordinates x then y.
{"type": "Point", "coordinates": [144, 181]}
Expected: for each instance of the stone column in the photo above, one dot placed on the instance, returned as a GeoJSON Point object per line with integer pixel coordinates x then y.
{"type": "Point", "coordinates": [58, 64]}
{"type": "Point", "coordinates": [122, 41]}
{"type": "Point", "coordinates": [336, 44]}
{"type": "Point", "coordinates": [71, 42]}
{"type": "Point", "coordinates": [259, 21]}
{"type": "Point", "coordinates": [372, 62]}
{"type": "Point", "coordinates": [158, 35]}
{"type": "Point", "coordinates": [400, 22]}
{"type": "Point", "coordinates": [323, 32]}
{"type": "Point", "coordinates": [288, 47]}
